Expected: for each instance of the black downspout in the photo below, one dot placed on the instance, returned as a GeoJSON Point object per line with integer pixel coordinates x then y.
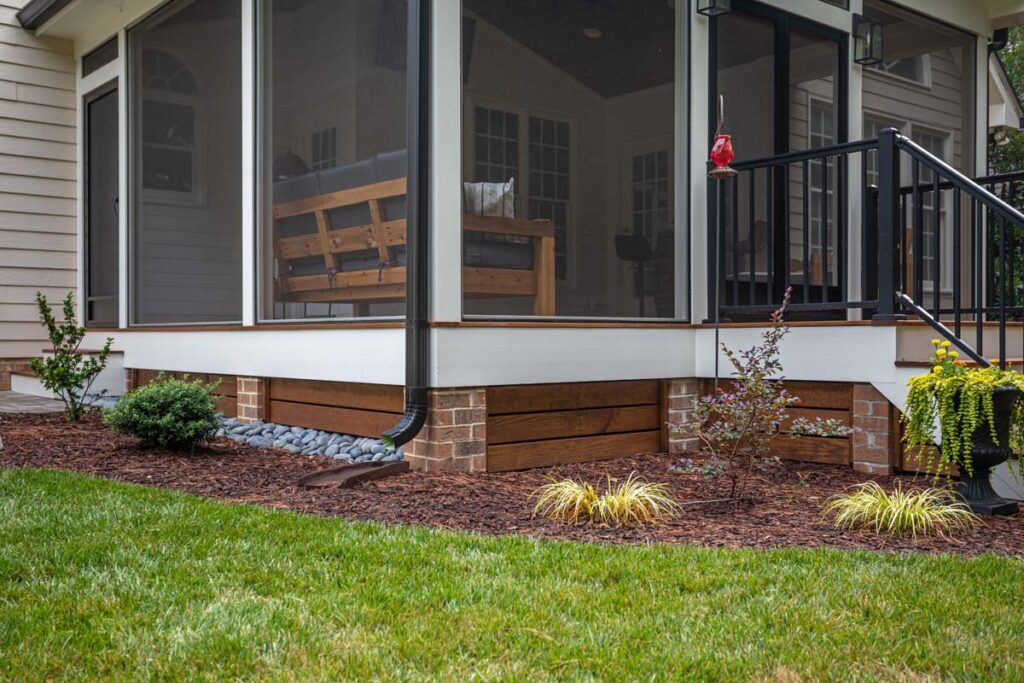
{"type": "Point", "coordinates": [417, 250]}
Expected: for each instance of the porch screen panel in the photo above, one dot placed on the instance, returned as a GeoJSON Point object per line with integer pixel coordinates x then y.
{"type": "Point", "coordinates": [925, 88]}
{"type": "Point", "coordinates": [333, 158]}
{"type": "Point", "coordinates": [569, 191]}
{"type": "Point", "coordinates": [185, 99]}
{"type": "Point", "coordinates": [814, 123]}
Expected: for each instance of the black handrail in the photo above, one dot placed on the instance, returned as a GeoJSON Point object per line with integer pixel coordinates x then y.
{"type": "Point", "coordinates": [912, 229]}
{"type": "Point", "coordinates": [943, 330]}
{"type": "Point", "coordinates": [807, 154]}
{"type": "Point", "coordinates": [959, 180]}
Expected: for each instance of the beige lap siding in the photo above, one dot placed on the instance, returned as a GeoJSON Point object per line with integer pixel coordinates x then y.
{"type": "Point", "coordinates": [37, 179]}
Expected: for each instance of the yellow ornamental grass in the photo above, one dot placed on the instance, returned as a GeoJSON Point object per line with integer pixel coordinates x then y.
{"type": "Point", "coordinates": [925, 512]}
{"type": "Point", "coordinates": [632, 501]}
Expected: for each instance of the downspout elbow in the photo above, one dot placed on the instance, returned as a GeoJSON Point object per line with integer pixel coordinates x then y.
{"type": "Point", "coordinates": [412, 421]}
{"type": "Point", "coordinates": [1000, 38]}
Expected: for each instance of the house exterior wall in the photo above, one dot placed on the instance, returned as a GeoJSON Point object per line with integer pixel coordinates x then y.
{"type": "Point", "coordinates": [466, 355]}
{"type": "Point", "coordinates": [37, 179]}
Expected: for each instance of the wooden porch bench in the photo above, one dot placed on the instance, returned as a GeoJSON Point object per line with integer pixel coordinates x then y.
{"type": "Point", "coordinates": [338, 281]}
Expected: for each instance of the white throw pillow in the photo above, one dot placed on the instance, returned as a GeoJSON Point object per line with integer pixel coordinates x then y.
{"type": "Point", "coordinates": [490, 199]}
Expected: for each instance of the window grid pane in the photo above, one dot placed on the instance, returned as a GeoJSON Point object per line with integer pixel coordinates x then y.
{"type": "Point", "coordinates": [549, 182]}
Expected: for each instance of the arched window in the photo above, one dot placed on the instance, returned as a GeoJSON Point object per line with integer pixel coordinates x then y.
{"type": "Point", "coordinates": [172, 130]}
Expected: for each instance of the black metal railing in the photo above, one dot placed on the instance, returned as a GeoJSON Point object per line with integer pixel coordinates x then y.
{"type": "Point", "coordinates": [952, 238]}
{"type": "Point", "coordinates": [944, 244]}
{"type": "Point", "coordinates": [782, 221]}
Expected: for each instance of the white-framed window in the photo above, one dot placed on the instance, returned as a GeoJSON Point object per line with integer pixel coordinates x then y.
{"type": "Point", "coordinates": [501, 138]}
{"type": "Point", "coordinates": [548, 187]}
{"type": "Point", "coordinates": [936, 143]}
{"type": "Point", "coordinates": [495, 145]}
{"type": "Point", "coordinates": [324, 146]}
{"type": "Point", "coordinates": [916, 69]}
{"type": "Point", "coordinates": [172, 139]}
{"type": "Point", "coordinates": [651, 209]}
{"type": "Point", "coordinates": [821, 133]}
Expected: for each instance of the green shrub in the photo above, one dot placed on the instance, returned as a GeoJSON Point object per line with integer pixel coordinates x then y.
{"type": "Point", "coordinates": [929, 511]}
{"type": "Point", "coordinates": [67, 373]}
{"type": "Point", "coordinates": [172, 413]}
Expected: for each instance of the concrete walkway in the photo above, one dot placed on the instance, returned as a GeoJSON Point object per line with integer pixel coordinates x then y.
{"type": "Point", "coordinates": [13, 402]}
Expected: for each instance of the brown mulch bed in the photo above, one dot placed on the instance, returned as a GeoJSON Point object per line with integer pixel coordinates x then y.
{"type": "Point", "coordinates": [783, 511]}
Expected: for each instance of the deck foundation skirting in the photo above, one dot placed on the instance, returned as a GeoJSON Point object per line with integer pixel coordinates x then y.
{"type": "Point", "coordinates": [873, 443]}
{"type": "Point", "coordinates": [516, 427]}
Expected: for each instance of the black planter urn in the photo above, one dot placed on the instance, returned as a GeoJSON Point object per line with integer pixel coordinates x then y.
{"type": "Point", "coordinates": [976, 486]}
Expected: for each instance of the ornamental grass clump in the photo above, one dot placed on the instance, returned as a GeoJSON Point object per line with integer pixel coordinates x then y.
{"type": "Point", "coordinates": [925, 512]}
{"type": "Point", "coordinates": [169, 413]}
{"type": "Point", "coordinates": [958, 399]}
{"type": "Point", "coordinates": [626, 503]}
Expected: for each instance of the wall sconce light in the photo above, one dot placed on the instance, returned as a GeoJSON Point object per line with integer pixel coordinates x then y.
{"type": "Point", "coordinates": [867, 40]}
{"type": "Point", "coordinates": [713, 8]}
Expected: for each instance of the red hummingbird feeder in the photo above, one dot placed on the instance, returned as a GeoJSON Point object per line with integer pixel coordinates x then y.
{"type": "Point", "coordinates": [721, 156]}
{"type": "Point", "coordinates": [721, 150]}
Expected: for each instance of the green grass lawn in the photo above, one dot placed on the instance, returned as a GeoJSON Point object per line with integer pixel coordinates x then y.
{"type": "Point", "coordinates": [101, 580]}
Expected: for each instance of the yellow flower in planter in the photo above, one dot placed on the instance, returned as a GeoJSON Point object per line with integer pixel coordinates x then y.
{"type": "Point", "coordinates": [935, 342]}
{"type": "Point", "coordinates": [937, 368]}
{"type": "Point", "coordinates": [946, 344]}
{"type": "Point", "coordinates": [941, 353]}
{"type": "Point", "coordinates": [954, 354]}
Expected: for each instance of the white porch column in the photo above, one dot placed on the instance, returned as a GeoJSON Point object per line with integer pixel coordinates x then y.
{"type": "Point", "coordinates": [446, 162]}
{"type": "Point", "coordinates": [699, 97]}
{"type": "Point", "coordinates": [250, 177]}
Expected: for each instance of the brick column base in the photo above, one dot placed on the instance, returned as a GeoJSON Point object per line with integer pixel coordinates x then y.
{"type": "Point", "coordinates": [252, 394]}
{"type": "Point", "coordinates": [681, 394]}
{"type": "Point", "coordinates": [873, 417]}
{"type": "Point", "coordinates": [455, 435]}
{"type": "Point", "coordinates": [7, 366]}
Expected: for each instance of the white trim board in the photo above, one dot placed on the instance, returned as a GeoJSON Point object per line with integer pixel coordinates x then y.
{"type": "Point", "coordinates": [370, 356]}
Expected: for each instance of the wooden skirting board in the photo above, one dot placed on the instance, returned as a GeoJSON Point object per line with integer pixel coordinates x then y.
{"type": "Point", "coordinates": [552, 424]}
{"type": "Point", "coordinates": [227, 391]}
{"type": "Point", "coordinates": [817, 399]}
{"type": "Point", "coordinates": [348, 408]}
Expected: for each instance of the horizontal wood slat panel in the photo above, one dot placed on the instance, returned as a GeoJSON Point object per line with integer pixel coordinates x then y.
{"type": "Point", "coordinates": [812, 449]}
{"type": "Point", "coordinates": [375, 293]}
{"type": "Point", "coordinates": [333, 200]}
{"type": "Point", "coordinates": [227, 405]}
{"type": "Point", "coordinates": [522, 227]}
{"type": "Point", "coordinates": [375, 397]}
{"type": "Point", "coordinates": [342, 240]}
{"type": "Point", "coordinates": [531, 398]}
{"type": "Point", "coordinates": [502, 429]}
{"type": "Point", "coordinates": [331, 418]}
{"type": "Point", "coordinates": [343, 281]}
{"type": "Point", "coordinates": [227, 386]}
{"type": "Point", "coordinates": [499, 281]}
{"type": "Point", "coordinates": [810, 414]}
{"type": "Point", "coordinates": [521, 456]}
{"type": "Point", "coordinates": [829, 395]}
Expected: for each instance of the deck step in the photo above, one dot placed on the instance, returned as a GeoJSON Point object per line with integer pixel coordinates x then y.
{"type": "Point", "coordinates": [1017, 362]}
{"type": "Point", "coordinates": [85, 352]}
